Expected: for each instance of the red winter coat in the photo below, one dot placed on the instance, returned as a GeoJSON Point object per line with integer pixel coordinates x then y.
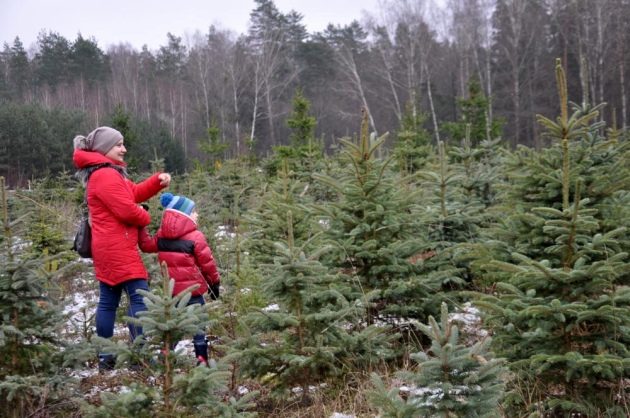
{"type": "Point", "coordinates": [185, 250]}
{"type": "Point", "coordinates": [116, 218]}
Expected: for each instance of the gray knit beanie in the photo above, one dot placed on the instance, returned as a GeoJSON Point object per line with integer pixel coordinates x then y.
{"type": "Point", "coordinates": [100, 139]}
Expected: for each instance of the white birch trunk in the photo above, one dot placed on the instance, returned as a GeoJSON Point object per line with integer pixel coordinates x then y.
{"type": "Point", "coordinates": [436, 127]}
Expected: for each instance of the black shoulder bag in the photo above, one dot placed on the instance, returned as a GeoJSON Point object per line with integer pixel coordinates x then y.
{"type": "Point", "coordinates": [83, 238]}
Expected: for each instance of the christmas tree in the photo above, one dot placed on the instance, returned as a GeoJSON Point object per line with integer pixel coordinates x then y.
{"type": "Point", "coordinates": [453, 215]}
{"type": "Point", "coordinates": [32, 378]}
{"type": "Point", "coordinates": [305, 336]}
{"type": "Point", "coordinates": [451, 380]}
{"type": "Point", "coordinates": [267, 221]}
{"type": "Point", "coordinates": [561, 308]}
{"type": "Point", "coordinates": [412, 149]}
{"type": "Point", "coordinates": [376, 232]}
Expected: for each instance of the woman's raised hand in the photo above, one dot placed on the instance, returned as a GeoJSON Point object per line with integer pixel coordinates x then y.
{"type": "Point", "coordinates": [165, 179]}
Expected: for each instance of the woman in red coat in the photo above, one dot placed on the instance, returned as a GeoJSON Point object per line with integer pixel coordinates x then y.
{"type": "Point", "coordinates": [115, 216]}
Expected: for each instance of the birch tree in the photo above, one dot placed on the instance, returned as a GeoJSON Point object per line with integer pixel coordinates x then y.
{"type": "Point", "coordinates": [349, 45]}
{"type": "Point", "coordinates": [519, 39]}
{"type": "Point", "coordinates": [171, 62]}
{"type": "Point", "coordinates": [273, 38]}
{"type": "Point", "coordinates": [404, 22]}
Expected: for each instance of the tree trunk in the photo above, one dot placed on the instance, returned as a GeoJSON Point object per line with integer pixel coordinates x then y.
{"type": "Point", "coordinates": [237, 127]}
{"type": "Point", "coordinates": [391, 84]}
{"type": "Point", "coordinates": [146, 99]}
{"type": "Point", "coordinates": [622, 82]}
{"type": "Point", "coordinates": [256, 96]}
{"type": "Point", "coordinates": [489, 93]}
{"type": "Point", "coordinates": [516, 102]}
{"type": "Point", "coordinates": [430, 96]}
{"type": "Point", "coordinates": [96, 110]}
{"type": "Point", "coordinates": [270, 115]}
{"type": "Point", "coordinates": [182, 105]}
{"type": "Point", "coordinates": [204, 87]}
{"type": "Point", "coordinates": [600, 56]}
{"type": "Point", "coordinates": [82, 84]}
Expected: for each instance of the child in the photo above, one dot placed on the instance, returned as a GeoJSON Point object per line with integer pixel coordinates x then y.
{"type": "Point", "coordinates": [187, 254]}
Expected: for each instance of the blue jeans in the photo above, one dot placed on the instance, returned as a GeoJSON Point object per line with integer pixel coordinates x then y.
{"type": "Point", "coordinates": [108, 302]}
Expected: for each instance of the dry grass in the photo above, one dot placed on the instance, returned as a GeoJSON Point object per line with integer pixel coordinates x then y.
{"type": "Point", "coordinates": [345, 397]}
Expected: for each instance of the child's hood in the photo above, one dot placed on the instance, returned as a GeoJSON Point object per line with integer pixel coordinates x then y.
{"type": "Point", "coordinates": [176, 224]}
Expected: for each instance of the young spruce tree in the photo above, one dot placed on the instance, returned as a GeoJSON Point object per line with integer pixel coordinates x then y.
{"type": "Point", "coordinates": [453, 215]}
{"type": "Point", "coordinates": [305, 337]}
{"type": "Point", "coordinates": [451, 379]}
{"type": "Point", "coordinates": [561, 309]}
{"type": "Point", "coordinates": [376, 233]}
{"type": "Point", "coordinates": [268, 221]}
{"type": "Point", "coordinates": [33, 373]}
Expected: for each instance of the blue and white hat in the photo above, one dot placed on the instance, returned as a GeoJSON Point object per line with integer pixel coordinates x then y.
{"type": "Point", "coordinates": [180, 203]}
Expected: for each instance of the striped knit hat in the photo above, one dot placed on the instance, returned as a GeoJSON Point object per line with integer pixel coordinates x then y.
{"type": "Point", "coordinates": [180, 203]}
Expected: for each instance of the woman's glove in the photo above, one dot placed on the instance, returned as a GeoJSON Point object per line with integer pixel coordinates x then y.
{"type": "Point", "coordinates": [213, 291]}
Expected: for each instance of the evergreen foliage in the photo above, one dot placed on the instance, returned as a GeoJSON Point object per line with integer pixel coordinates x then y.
{"type": "Point", "coordinates": [451, 380]}
{"type": "Point", "coordinates": [213, 146]}
{"type": "Point", "coordinates": [88, 62]}
{"type": "Point", "coordinates": [303, 339]}
{"type": "Point", "coordinates": [35, 141]}
{"type": "Point", "coordinates": [143, 139]}
{"type": "Point", "coordinates": [304, 152]}
{"type": "Point", "coordinates": [474, 124]}
{"type": "Point", "coordinates": [376, 232]}
{"type": "Point", "coordinates": [543, 232]}
{"type": "Point", "coordinates": [176, 389]}
{"type": "Point", "coordinates": [19, 70]}
{"type": "Point", "coordinates": [480, 167]}
{"type": "Point", "coordinates": [32, 372]}
{"type": "Point", "coordinates": [456, 204]}
{"type": "Point", "coordinates": [412, 148]}
{"type": "Point", "coordinates": [268, 220]}
{"type": "Point", "coordinates": [301, 123]}
{"type": "Point", "coordinates": [563, 317]}
{"type": "Point", "coordinates": [50, 224]}
{"type": "Point", "coordinates": [561, 305]}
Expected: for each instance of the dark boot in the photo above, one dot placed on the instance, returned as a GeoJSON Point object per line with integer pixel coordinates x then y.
{"type": "Point", "coordinates": [106, 362]}
{"type": "Point", "coordinates": [201, 353]}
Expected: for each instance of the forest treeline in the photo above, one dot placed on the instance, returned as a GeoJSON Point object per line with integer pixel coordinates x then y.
{"type": "Point", "coordinates": [230, 94]}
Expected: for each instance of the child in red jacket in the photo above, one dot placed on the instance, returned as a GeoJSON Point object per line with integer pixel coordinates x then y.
{"type": "Point", "coordinates": [187, 254]}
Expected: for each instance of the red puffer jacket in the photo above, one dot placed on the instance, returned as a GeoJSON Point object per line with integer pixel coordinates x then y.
{"type": "Point", "coordinates": [116, 218]}
{"type": "Point", "coordinates": [185, 250]}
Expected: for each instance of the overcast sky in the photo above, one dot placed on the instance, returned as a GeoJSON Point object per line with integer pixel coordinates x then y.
{"type": "Point", "coordinates": [140, 22]}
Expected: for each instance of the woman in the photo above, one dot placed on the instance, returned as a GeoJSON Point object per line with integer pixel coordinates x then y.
{"type": "Point", "coordinates": [115, 217]}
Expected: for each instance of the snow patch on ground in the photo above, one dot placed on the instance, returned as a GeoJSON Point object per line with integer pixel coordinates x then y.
{"type": "Point", "coordinates": [223, 231]}
{"type": "Point", "coordinates": [274, 307]}
{"type": "Point", "coordinates": [469, 319]}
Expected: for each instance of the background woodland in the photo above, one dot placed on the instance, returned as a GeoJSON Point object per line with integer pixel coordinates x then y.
{"type": "Point", "coordinates": [230, 94]}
